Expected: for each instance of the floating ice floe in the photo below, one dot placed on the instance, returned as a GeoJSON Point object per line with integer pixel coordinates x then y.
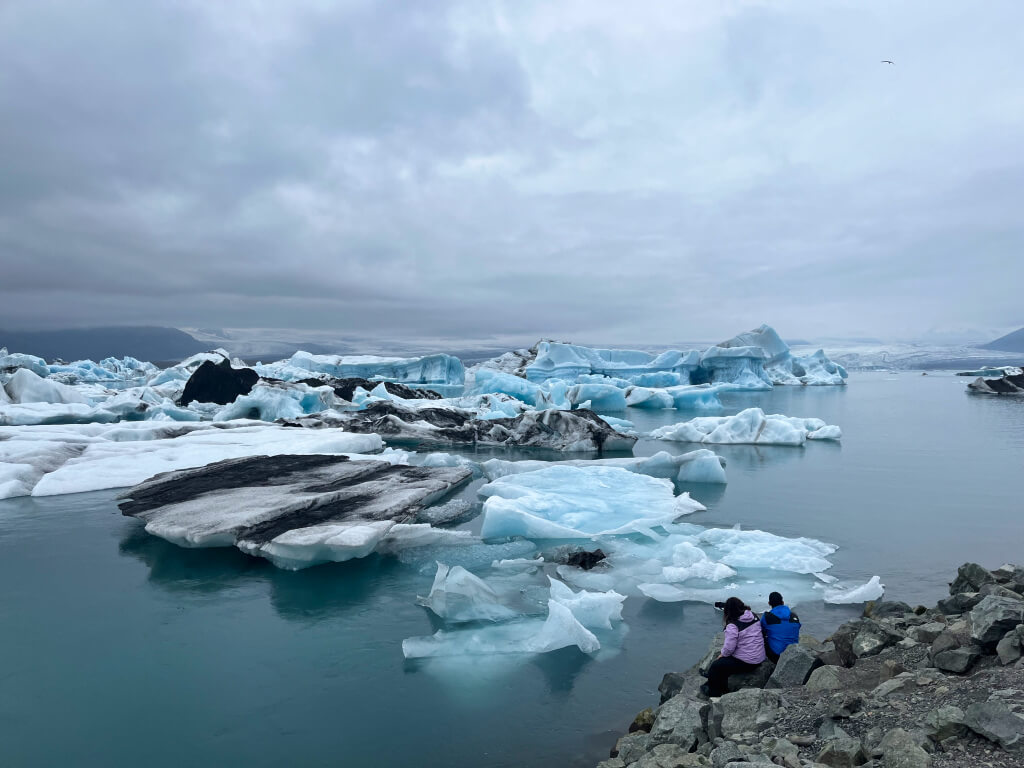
{"type": "Point", "coordinates": [700, 466]}
{"type": "Point", "coordinates": [568, 502]}
{"type": "Point", "coordinates": [873, 589]}
{"type": "Point", "coordinates": [457, 596]}
{"type": "Point", "coordinates": [294, 510]}
{"type": "Point", "coordinates": [50, 460]}
{"type": "Point", "coordinates": [750, 426]}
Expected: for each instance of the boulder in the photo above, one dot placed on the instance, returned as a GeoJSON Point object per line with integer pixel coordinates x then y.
{"type": "Point", "coordinates": [1010, 576]}
{"type": "Point", "coordinates": [843, 638]}
{"type": "Point", "coordinates": [997, 723]}
{"type": "Point", "coordinates": [631, 747]}
{"type": "Point", "coordinates": [671, 684]}
{"type": "Point", "coordinates": [843, 705]}
{"type": "Point", "coordinates": [670, 756]}
{"type": "Point", "coordinates": [749, 710]}
{"type": "Point", "coordinates": [900, 750]}
{"type": "Point", "coordinates": [218, 383]}
{"type": "Point", "coordinates": [1009, 649]}
{"type": "Point", "coordinates": [830, 729]}
{"type": "Point", "coordinates": [611, 762]}
{"type": "Point", "coordinates": [681, 720]}
{"type": "Point", "coordinates": [872, 638]}
{"type": "Point", "coordinates": [842, 752]}
{"type": "Point", "coordinates": [926, 633]}
{"type": "Point", "coordinates": [643, 721]}
{"type": "Point", "coordinates": [828, 678]}
{"type": "Point", "coordinates": [998, 590]}
{"type": "Point", "coordinates": [959, 603]}
{"type": "Point", "coordinates": [969, 578]}
{"type": "Point", "coordinates": [795, 665]}
{"type": "Point", "coordinates": [993, 617]}
{"type": "Point", "coordinates": [726, 753]}
{"type": "Point", "coordinates": [756, 679]}
{"type": "Point", "coordinates": [945, 723]}
{"type": "Point", "coordinates": [957, 660]}
{"type": "Point", "coordinates": [785, 753]}
{"type": "Point", "coordinates": [714, 648]}
{"type": "Point", "coordinates": [881, 609]}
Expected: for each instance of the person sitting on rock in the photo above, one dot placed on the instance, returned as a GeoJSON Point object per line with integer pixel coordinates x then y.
{"type": "Point", "coordinates": [780, 625]}
{"type": "Point", "coordinates": [743, 649]}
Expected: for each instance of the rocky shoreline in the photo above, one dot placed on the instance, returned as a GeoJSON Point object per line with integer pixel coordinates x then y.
{"type": "Point", "coordinates": [900, 687]}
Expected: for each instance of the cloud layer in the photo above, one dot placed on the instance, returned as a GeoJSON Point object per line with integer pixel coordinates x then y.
{"type": "Point", "coordinates": [656, 172]}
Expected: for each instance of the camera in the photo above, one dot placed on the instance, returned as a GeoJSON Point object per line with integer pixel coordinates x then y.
{"type": "Point", "coordinates": [720, 606]}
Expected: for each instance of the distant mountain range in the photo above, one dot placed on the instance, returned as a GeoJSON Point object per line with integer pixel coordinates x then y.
{"type": "Point", "coordinates": [144, 342]}
{"type": "Point", "coordinates": [1011, 342]}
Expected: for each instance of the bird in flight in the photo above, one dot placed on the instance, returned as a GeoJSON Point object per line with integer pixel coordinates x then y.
{"type": "Point", "coordinates": [886, 61]}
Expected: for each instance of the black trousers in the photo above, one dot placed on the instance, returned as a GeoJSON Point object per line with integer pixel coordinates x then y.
{"type": "Point", "coordinates": [719, 671]}
{"type": "Point", "coordinates": [773, 657]}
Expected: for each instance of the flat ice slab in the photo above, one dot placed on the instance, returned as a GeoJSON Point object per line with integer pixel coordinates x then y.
{"type": "Point", "coordinates": [751, 426]}
{"type": "Point", "coordinates": [296, 511]}
{"type": "Point", "coordinates": [570, 502]}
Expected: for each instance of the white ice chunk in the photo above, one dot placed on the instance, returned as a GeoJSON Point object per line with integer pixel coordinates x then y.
{"type": "Point", "coordinates": [559, 630]}
{"type": "Point", "coordinates": [760, 549]}
{"type": "Point", "coordinates": [457, 595]}
{"type": "Point", "coordinates": [426, 370]}
{"type": "Point", "coordinates": [873, 589]}
{"type": "Point", "coordinates": [566, 502]}
{"type": "Point", "coordinates": [326, 543]}
{"type": "Point", "coordinates": [596, 610]}
{"type": "Point", "coordinates": [27, 387]}
{"type": "Point", "coordinates": [700, 466]}
{"type": "Point", "coordinates": [750, 426]}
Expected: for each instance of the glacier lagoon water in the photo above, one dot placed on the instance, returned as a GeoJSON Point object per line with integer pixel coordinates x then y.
{"type": "Point", "coordinates": [118, 648]}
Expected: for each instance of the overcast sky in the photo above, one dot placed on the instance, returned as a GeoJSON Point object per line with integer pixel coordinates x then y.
{"type": "Point", "coordinates": [598, 171]}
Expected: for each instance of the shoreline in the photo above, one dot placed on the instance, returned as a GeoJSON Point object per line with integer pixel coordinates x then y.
{"type": "Point", "coordinates": [899, 687]}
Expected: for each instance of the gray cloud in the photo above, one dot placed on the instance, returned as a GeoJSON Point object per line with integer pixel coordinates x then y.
{"type": "Point", "coordinates": [474, 170]}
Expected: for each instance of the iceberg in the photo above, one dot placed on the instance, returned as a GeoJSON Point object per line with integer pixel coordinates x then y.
{"type": "Point", "coordinates": [51, 460]}
{"type": "Point", "coordinates": [781, 366]}
{"type": "Point", "coordinates": [269, 402]}
{"type": "Point", "coordinates": [594, 610]}
{"type": "Point", "coordinates": [430, 369]}
{"type": "Point", "coordinates": [872, 590]}
{"type": "Point", "coordinates": [28, 387]}
{"type": "Point", "coordinates": [601, 397]}
{"type": "Point", "coordinates": [555, 360]}
{"type": "Point", "coordinates": [559, 630]}
{"type": "Point", "coordinates": [700, 466]}
{"type": "Point", "coordinates": [760, 549]}
{"type": "Point", "coordinates": [11, 363]}
{"type": "Point", "coordinates": [750, 426]}
{"type": "Point", "coordinates": [107, 370]}
{"type": "Point", "coordinates": [743, 367]}
{"type": "Point", "coordinates": [567, 502]}
{"type": "Point", "coordinates": [458, 596]}
{"type": "Point", "coordinates": [296, 511]}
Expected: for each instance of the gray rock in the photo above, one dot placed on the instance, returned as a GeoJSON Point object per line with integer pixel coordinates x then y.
{"type": "Point", "coordinates": [993, 617]}
{"type": "Point", "coordinates": [880, 609]}
{"type": "Point", "coordinates": [872, 638]}
{"type": "Point", "coordinates": [830, 729]}
{"type": "Point", "coordinates": [957, 660]}
{"type": "Point", "coordinates": [681, 720]}
{"type": "Point", "coordinates": [795, 665]}
{"type": "Point", "coordinates": [900, 750]}
{"type": "Point", "coordinates": [670, 756]}
{"type": "Point", "coordinates": [843, 705]}
{"type": "Point", "coordinates": [926, 633]}
{"type": "Point", "coordinates": [611, 762]}
{"type": "Point", "coordinates": [725, 754]}
{"type": "Point", "coordinates": [671, 684]}
{"type": "Point", "coordinates": [785, 753]}
{"type": "Point", "coordinates": [946, 641]}
{"type": "Point", "coordinates": [891, 686]}
{"type": "Point", "coordinates": [756, 679]}
{"type": "Point", "coordinates": [960, 602]}
{"type": "Point", "coordinates": [843, 638]}
{"type": "Point", "coordinates": [828, 678]}
{"type": "Point", "coordinates": [643, 721]}
{"type": "Point", "coordinates": [1009, 649]}
{"type": "Point", "coordinates": [842, 753]}
{"type": "Point", "coordinates": [969, 578]}
{"type": "Point", "coordinates": [998, 590]}
{"type": "Point", "coordinates": [996, 722]}
{"type": "Point", "coordinates": [631, 747]}
{"type": "Point", "coordinates": [750, 710]}
{"type": "Point", "coordinates": [714, 648]}
{"type": "Point", "coordinates": [1011, 576]}
{"type": "Point", "coordinates": [810, 641]}
{"type": "Point", "coordinates": [945, 723]}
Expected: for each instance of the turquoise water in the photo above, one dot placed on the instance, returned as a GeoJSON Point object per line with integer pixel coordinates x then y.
{"type": "Point", "coordinates": [119, 649]}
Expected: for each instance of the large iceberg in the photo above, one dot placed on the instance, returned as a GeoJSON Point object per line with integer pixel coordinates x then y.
{"type": "Point", "coordinates": [781, 366]}
{"type": "Point", "coordinates": [571, 502]}
{"type": "Point", "coordinates": [750, 426]}
{"type": "Point", "coordinates": [556, 360]}
{"type": "Point", "coordinates": [295, 511]}
{"type": "Point", "coordinates": [50, 460]}
{"type": "Point", "coordinates": [430, 369]}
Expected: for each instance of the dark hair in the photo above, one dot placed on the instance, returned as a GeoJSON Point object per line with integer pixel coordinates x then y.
{"type": "Point", "coordinates": [734, 608]}
{"type": "Point", "coordinates": [775, 599]}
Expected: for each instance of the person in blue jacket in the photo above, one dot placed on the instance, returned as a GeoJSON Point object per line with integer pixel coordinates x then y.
{"type": "Point", "coordinates": [780, 625]}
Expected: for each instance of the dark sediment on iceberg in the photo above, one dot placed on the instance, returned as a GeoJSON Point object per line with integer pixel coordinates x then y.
{"type": "Point", "coordinates": [900, 687]}
{"type": "Point", "coordinates": [1007, 384]}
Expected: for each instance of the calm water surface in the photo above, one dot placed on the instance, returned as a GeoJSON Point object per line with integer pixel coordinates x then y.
{"type": "Point", "coordinates": [119, 649]}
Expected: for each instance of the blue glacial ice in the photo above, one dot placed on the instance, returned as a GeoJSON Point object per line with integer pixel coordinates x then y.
{"type": "Point", "coordinates": [760, 549]}
{"type": "Point", "coordinates": [457, 595]}
{"type": "Point", "coordinates": [571, 502]}
{"type": "Point", "coordinates": [700, 466]}
{"type": "Point", "coordinates": [556, 360]}
{"type": "Point", "coordinates": [429, 369]}
{"type": "Point", "coordinates": [861, 593]}
{"type": "Point", "coordinates": [751, 426]}
{"type": "Point", "coordinates": [781, 366]}
{"type": "Point", "coordinates": [270, 401]}
{"type": "Point", "coordinates": [15, 360]}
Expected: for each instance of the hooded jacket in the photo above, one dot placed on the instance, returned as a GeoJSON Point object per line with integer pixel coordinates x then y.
{"type": "Point", "coordinates": [744, 641]}
{"type": "Point", "coordinates": [781, 628]}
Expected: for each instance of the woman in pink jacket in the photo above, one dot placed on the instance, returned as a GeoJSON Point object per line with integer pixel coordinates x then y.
{"type": "Point", "coordinates": [743, 649]}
